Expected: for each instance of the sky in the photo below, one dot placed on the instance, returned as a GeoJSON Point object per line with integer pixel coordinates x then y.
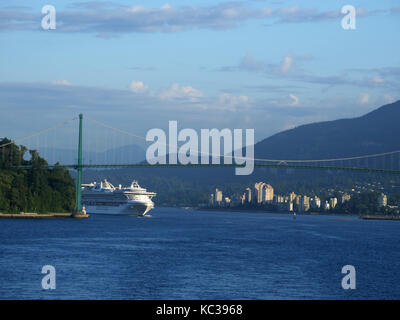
{"type": "Point", "coordinates": [263, 65]}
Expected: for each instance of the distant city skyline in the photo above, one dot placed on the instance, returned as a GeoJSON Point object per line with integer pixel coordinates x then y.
{"type": "Point", "coordinates": [267, 65]}
{"type": "Point", "coordinates": [261, 197]}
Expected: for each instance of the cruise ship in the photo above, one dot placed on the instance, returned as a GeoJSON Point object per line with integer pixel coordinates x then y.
{"type": "Point", "coordinates": [104, 198]}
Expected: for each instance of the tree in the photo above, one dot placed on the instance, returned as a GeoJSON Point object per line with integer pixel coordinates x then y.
{"type": "Point", "coordinates": [37, 189]}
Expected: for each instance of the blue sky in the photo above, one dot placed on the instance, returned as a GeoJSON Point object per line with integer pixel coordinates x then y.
{"type": "Point", "coordinates": [267, 65]}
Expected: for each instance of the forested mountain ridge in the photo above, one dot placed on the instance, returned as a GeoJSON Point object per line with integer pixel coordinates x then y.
{"type": "Point", "coordinates": [375, 132]}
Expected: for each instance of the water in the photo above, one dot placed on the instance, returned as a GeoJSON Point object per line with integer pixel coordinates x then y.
{"type": "Point", "coordinates": [188, 254]}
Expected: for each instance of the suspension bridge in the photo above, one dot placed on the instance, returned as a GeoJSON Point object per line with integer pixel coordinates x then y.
{"type": "Point", "coordinates": [111, 157]}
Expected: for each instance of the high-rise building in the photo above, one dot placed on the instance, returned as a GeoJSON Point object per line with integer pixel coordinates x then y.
{"type": "Point", "coordinates": [292, 197]}
{"type": "Point", "coordinates": [315, 202]}
{"type": "Point", "coordinates": [243, 199]}
{"type": "Point", "coordinates": [326, 205]}
{"type": "Point", "coordinates": [382, 200]}
{"type": "Point", "coordinates": [258, 192]}
{"type": "Point", "coordinates": [269, 193]}
{"type": "Point", "coordinates": [304, 204]}
{"type": "Point", "coordinates": [262, 192]}
{"type": "Point", "coordinates": [211, 199]}
{"type": "Point", "coordinates": [218, 196]}
{"type": "Point", "coordinates": [248, 195]}
{"type": "Point", "coordinates": [332, 203]}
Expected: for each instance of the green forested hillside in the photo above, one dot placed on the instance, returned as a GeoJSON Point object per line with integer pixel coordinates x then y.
{"type": "Point", "coordinates": [32, 190]}
{"type": "Point", "coordinates": [374, 132]}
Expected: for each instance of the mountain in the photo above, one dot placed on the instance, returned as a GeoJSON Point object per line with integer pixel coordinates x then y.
{"type": "Point", "coordinates": [119, 155]}
{"type": "Point", "coordinates": [375, 132]}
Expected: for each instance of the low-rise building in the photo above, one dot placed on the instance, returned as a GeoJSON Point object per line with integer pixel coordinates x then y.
{"type": "Point", "coordinates": [285, 206]}
{"type": "Point", "coordinates": [344, 197]}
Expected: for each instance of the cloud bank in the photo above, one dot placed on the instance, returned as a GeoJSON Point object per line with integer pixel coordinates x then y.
{"type": "Point", "coordinates": [110, 19]}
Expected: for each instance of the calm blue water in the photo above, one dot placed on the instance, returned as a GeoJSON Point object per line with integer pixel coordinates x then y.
{"type": "Point", "coordinates": [187, 254]}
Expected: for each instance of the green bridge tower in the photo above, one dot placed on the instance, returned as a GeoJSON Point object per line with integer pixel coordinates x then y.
{"type": "Point", "coordinates": [78, 203]}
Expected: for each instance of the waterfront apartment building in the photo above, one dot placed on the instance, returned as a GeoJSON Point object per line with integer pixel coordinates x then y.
{"type": "Point", "coordinates": [279, 199]}
{"type": "Point", "coordinates": [258, 192]}
{"type": "Point", "coordinates": [269, 193]}
{"type": "Point", "coordinates": [285, 206]}
{"type": "Point", "coordinates": [333, 202]}
{"type": "Point", "coordinates": [263, 193]}
{"type": "Point", "coordinates": [304, 204]}
{"type": "Point", "coordinates": [315, 203]}
{"type": "Point", "coordinates": [382, 200]}
{"type": "Point", "coordinates": [211, 199]}
{"type": "Point", "coordinates": [247, 195]}
{"type": "Point", "coordinates": [218, 196]}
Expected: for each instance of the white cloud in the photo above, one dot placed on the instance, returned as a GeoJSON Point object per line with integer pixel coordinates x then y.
{"type": "Point", "coordinates": [136, 9]}
{"type": "Point", "coordinates": [106, 18]}
{"type": "Point", "coordinates": [230, 13]}
{"type": "Point", "coordinates": [250, 64]}
{"type": "Point", "coordinates": [166, 6]}
{"type": "Point", "coordinates": [287, 63]}
{"type": "Point", "coordinates": [138, 87]}
{"type": "Point", "coordinates": [62, 83]}
{"type": "Point", "coordinates": [388, 98]}
{"type": "Point", "coordinates": [363, 98]}
{"type": "Point", "coordinates": [290, 10]}
{"type": "Point", "coordinates": [230, 102]}
{"type": "Point", "coordinates": [247, 119]}
{"type": "Point", "coordinates": [180, 92]}
{"type": "Point", "coordinates": [377, 80]}
{"type": "Point", "coordinates": [295, 100]}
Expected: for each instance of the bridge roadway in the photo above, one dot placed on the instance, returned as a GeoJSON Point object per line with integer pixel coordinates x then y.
{"type": "Point", "coordinates": [281, 166]}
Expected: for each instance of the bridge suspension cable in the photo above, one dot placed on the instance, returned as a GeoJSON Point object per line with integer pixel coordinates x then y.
{"type": "Point", "coordinates": [39, 132]}
{"type": "Point", "coordinates": [281, 162]}
{"type": "Point", "coordinates": [278, 161]}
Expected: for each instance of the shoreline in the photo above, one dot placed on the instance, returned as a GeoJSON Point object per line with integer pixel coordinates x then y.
{"type": "Point", "coordinates": [376, 217]}
{"type": "Point", "coordinates": [34, 215]}
{"type": "Point", "coordinates": [254, 210]}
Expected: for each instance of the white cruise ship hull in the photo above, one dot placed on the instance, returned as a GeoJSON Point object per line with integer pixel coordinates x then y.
{"type": "Point", "coordinates": [137, 209]}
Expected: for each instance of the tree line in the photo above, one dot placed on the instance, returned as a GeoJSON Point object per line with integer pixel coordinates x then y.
{"type": "Point", "coordinates": [35, 189]}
